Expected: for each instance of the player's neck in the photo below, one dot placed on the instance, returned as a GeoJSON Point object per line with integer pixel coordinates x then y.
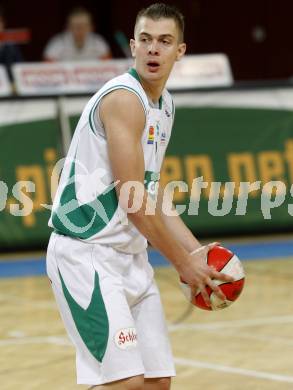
{"type": "Point", "coordinates": [152, 88]}
{"type": "Point", "coordinates": [153, 91]}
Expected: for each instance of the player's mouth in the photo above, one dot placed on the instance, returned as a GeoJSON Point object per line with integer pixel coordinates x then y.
{"type": "Point", "coordinates": [153, 66]}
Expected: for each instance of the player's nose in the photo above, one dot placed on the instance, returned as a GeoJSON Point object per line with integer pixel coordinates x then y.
{"type": "Point", "coordinates": [153, 47]}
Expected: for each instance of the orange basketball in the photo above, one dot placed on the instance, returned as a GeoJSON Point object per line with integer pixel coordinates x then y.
{"type": "Point", "coordinates": [222, 260]}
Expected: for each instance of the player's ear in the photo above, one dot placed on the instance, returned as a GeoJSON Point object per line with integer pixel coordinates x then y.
{"type": "Point", "coordinates": [132, 47]}
{"type": "Point", "coordinates": [181, 51]}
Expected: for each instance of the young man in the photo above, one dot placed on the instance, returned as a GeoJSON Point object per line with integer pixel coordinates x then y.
{"type": "Point", "coordinates": [97, 258]}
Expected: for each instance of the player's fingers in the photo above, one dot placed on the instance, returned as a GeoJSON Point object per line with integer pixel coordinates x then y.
{"type": "Point", "coordinates": [205, 248]}
{"type": "Point", "coordinates": [221, 276]}
{"type": "Point", "coordinates": [205, 295]}
{"type": "Point", "coordinates": [216, 289]}
{"type": "Point", "coordinates": [194, 290]}
{"type": "Point", "coordinates": [211, 246]}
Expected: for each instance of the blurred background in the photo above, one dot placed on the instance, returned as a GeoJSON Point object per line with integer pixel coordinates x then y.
{"type": "Point", "coordinates": [256, 35]}
{"type": "Point", "coordinates": [233, 86]}
{"type": "Point", "coordinates": [233, 93]}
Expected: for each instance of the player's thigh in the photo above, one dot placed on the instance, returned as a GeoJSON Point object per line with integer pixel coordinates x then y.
{"type": "Point", "coordinates": [157, 383]}
{"type": "Point", "coordinates": [137, 383]}
{"type": "Point", "coordinates": [133, 383]}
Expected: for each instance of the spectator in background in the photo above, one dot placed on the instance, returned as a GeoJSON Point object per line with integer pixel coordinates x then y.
{"type": "Point", "coordinates": [9, 52]}
{"type": "Point", "coordinates": [78, 42]}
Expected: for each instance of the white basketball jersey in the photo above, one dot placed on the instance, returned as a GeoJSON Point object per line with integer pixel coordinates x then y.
{"type": "Point", "coordinates": [86, 205]}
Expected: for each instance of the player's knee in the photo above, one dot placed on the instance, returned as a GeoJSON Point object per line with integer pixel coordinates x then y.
{"type": "Point", "coordinates": [165, 383]}
{"type": "Point", "coordinates": [160, 383]}
{"type": "Point", "coordinates": [133, 383]}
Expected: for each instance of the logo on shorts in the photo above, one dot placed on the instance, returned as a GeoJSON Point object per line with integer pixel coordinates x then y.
{"type": "Point", "coordinates": [126, 338]}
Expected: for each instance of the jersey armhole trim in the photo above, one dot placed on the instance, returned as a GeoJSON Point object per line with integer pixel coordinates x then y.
{"type": "Point", "coordinates": [93, 109]}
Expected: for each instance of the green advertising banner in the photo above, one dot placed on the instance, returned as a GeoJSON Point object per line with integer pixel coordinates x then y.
{"type": "Point", "coordinates": [226, 146]}
{"type": "Point", "coordinates": [230, 163]}
{"type": "Point", "coordinates": [30, 147]}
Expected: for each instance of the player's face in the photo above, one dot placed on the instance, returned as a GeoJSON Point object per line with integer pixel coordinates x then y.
{"type": "Point", "coordinates": [156, 47]}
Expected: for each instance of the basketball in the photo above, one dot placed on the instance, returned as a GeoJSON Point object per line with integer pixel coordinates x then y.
{"type": "Point", "coordinates": [222, 260]}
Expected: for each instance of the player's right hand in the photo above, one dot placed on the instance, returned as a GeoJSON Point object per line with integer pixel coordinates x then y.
{"type": "Point", "coordinates": [198, 274]}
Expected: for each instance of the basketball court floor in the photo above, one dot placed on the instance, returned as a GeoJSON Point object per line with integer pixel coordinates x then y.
{"type": "Point", "coordinates": [248, 346]}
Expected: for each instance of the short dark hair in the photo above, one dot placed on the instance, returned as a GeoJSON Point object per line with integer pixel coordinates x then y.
{"type": "Point", "coordinates": [160, 10]}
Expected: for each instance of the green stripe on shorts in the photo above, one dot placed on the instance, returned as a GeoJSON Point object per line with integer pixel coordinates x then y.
{"type": "Point", "coordinates": [92, 324]}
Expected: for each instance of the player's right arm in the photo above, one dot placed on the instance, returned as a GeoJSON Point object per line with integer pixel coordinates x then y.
{"type": "Point", "coordinates": [123, 118]}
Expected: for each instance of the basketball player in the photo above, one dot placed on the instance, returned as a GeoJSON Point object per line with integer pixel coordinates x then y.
{"type": "Point", "coordinates": [97, 260]}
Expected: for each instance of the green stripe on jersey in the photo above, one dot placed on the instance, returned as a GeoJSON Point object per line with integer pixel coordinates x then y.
{"type": "Point", "coordinates": [150, 182]}
{"type": "Point", "coordinates": [133, 73]}
{"type": "Point", "coordinates": [85, 220]}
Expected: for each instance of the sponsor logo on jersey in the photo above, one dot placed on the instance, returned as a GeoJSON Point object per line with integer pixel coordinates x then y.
{"type": "Point", "coordinates": [126, 338]}
{"type": "Point", "coordinates": [163, 137]}
{"type": "Point", "coordinates": [167, 113]}
{"type": "Point", "coordinates": [151, 136]}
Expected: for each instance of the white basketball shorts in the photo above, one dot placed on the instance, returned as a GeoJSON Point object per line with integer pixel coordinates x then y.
{"type": "Point", "coordinates": [111, 309]}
